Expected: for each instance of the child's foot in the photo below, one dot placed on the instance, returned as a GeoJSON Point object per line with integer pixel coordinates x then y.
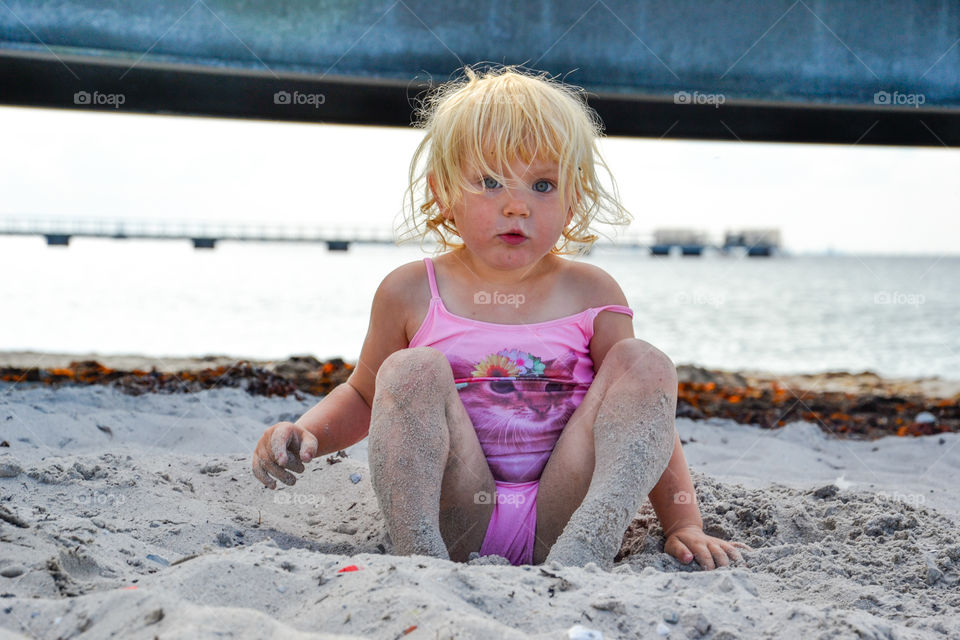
{"type": "Point", "coordinates": [423, 539]}
{"type": "Point", "coordinates": [493, 559]}
{"type": "Point", "coordinates": [576, 549]}
{"type": "Point", "coordinates": [594, 532]}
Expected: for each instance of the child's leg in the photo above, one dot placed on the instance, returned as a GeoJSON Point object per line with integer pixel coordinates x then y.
{"type": "Point", "coordinates": [426, 464]}
{"type": "Point", "coordinates": [610, 455]}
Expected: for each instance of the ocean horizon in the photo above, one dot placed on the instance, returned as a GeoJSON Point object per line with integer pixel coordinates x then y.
{"type": "Point", "coordinates": [897, 316]}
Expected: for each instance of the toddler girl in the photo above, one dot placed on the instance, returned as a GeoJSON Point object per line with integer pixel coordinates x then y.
{"type": "Point", "coordinates": [510, 409]}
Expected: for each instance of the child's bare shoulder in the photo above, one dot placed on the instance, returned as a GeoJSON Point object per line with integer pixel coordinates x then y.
{"type": "Point", "coordinates": [597, 289]}
{"type": "Point", "coordinates": [594, 286]}
{"type": "Point", "coordinates": [388, 328]}
{"type": "Point", "coordinates": [405, 290]}
{"type": "Point", "coordinates": [405, 278]}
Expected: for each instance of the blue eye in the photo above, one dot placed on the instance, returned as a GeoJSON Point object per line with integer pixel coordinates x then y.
{"type": "Point", "coordinates": [490, 183]}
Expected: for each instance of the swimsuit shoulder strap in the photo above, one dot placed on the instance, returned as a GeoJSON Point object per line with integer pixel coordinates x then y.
{"type": "Point", "coordinates": [591, 314]}
{"type": "Point", "coordinates": [432, 278]}
{"type": "Point", "coordinates": [618, 308]}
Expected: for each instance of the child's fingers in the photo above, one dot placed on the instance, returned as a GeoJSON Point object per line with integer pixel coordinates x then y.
{"type": "Point", "coordinates": [308, 446]}
{"type": "Point", "coordinates": [679, 550]}
{"type": "Point", "coordinates": [263, 469]}
{"type": "Point", "coordinates": [294, 464]}
{"type": "Point", "coordinates": [279, 440]}
{"type": "Point", "coordinates": [733, 554]}
{"type": "Point", "coordinates": [262, 474]}
{"type": "Point", "coordinates": [279, 473]}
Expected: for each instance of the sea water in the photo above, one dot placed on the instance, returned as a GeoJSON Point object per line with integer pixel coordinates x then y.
{"type": "Point", "coordinates": [896, 316]}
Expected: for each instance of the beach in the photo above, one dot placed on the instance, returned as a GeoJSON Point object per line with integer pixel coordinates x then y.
{"type": "Point", "coordinates": [129, 510]}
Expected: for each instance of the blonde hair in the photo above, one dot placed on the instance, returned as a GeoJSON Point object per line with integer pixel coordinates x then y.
{"type": "Point", "coordinates": [513, 114]}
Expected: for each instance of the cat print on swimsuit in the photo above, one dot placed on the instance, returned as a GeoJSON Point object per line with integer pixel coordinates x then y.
{"type": "Point", "coordinates": [514, 393]}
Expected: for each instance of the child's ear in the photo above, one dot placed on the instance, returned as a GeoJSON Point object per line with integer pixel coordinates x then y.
{"type": "Point", "coordinates": [433, 190]}
{"type": "Point", "coordinates": [576, 203]}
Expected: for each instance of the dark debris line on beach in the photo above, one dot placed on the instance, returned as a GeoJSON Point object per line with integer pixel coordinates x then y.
{"type": "Point", "coordinates": [769, 405]}
{"type": "Point", "coordinates": [297, 374]}
{"type": "Point", "coordinates": [852, 415]}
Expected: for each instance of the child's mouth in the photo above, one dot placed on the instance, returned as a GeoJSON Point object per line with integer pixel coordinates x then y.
{"type": "Point", "coordinates": [512, 238]}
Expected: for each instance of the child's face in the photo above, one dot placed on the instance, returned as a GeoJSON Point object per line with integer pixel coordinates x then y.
{"type": "Point", "coordinates": [530, 203]}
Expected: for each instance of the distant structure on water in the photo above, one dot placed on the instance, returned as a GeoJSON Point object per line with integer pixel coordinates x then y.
{"type": "Point", "coordinates": [690, 241]}
{"type": "Point", "coordinates": [206, 235]}
{"type": "Point", "coordinates": [693, 242]}
{"type": "Point", "coordinates": [203, 235]}
{"type": "Point", "coordinates": [757, 242]}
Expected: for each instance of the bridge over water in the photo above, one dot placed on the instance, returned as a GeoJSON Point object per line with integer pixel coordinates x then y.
{"type": "Point", "coordinates": [816, 71]}
{"type": "Point", "coordinates": [205, 234]}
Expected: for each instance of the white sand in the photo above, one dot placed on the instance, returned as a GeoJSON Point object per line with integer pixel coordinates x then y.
{"type": "Point", "coordinates": [104, 513]}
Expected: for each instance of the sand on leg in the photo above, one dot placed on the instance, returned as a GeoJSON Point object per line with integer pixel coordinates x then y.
{"type": "Point", "coordinates": [609, 457]}
{"type": "Point", "coordinates": [426, 464]}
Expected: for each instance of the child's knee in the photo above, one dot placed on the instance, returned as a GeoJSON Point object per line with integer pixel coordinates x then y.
{"type": "Point", "coordinates": [413, 372]}
{"type": "Point", "coordinates": [645, 364]}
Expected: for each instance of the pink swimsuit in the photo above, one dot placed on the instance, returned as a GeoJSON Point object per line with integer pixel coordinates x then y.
{"type": "Point", "coordinates": [519, 383]}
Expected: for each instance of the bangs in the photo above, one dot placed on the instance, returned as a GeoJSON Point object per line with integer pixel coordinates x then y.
{"type": "Point", "coordinates": [487, 123]}
{"type": "Point", "coordinates": [508, 118]}
{"type": "Point", "coordinates": [519, 129]}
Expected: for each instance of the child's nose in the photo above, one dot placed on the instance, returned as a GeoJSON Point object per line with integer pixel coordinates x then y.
{"type": "Point", "coordinates": [516, 206]}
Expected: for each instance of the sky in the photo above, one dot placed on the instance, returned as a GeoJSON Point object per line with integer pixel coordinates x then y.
{"type": "Point", "coordinates": [843, 198]}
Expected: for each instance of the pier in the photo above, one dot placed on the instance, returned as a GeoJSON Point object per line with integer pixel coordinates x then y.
{"type": "Point", "coordinates": [206, 234]}
{"type": "Point", "coordinates": [203, 235]}
{"type": "Point", "coordinates": [786, 72]}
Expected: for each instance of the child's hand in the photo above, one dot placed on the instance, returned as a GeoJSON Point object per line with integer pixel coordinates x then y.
{"type": "Point", "coordinates": [282, 447]}
{"type": "Point", "coordinates": [690, 541]}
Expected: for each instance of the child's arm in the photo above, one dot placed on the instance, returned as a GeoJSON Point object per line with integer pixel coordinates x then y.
{"type": "Point", "coordinates": [675, 501]}
{"type": "Point", "coordinates": [673, 497]}
{"type": "Point", "coordinates": [342, 417]}
{"type": "Point", "coordinates": [338, 421]}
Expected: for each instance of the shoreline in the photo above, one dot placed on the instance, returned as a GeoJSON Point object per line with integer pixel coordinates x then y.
{"type": "Point", "coordinates": [827, 381]}
{"type": "Point", "coordinates": [843, 405]}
